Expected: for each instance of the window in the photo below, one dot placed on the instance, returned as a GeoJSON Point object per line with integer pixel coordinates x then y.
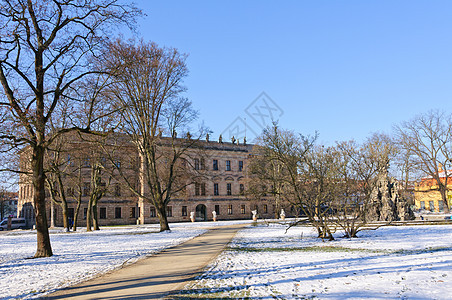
{"type": "Point", "coordinates": [215, 164]}
{"type": "Point", "coordinates": [217, 209]}
{"type": "Point", "coordinates": [242, 189]}
{"type": "Point", "coordinates": [118, 213]}
{"type": "Point", "coordinates": [132, 212]}
{"type": "Point", "coordinates": [265, 208]}
{"type": "Point", "coordinates": [103, 161]}
{"type": "Point", "coordinates": [102, 213]}
{"type": "Point", "coordinates": [197, 188]}
{"type": "Point", "coordinates": [230, 209]}
{"type": "Point", "coordinates": [86, 162]}
{"type": "Point", "coordinates": [441, 205]}
{"type": "Point", "coordinates": [229, 189]}
{"type": "Point", "coordinates": [215, 189]}
{"type": "Point", "coordinates": [228, 165]}
{"type": "Point", "coordinates": [69, 160]}
{"type": "Point", "coordinates": [431, 206]}
{"type": "Point", "coordinates": [117, 192]}
{"type": "Point", "coordinates": [240, 165]}
{"type": "Point", "coordinates": [70, 192]}
{"type": "Point", "coordinates": [203, 164]}
{"type": "Point", "coordinates": [184, 211]}
{"type": "Point", "coordinates": [169, 211]}
{"type": "Point", "coordinates": [86, 189]}
{"type": "Point", "coordinates": [243, 209]}
{"type": "Point", "coordinates": [70, 213]}
{"type": "Point", "coordinates": [85, 213]}
{"type": "Point", "coordinates": [203, 189]}
{"type": "Point", "coordinates": [196, 164]}
{"type": "Point", "coordinates": [117, 163]}
{"type": "Point", "coordinates": [152, 212]}
{"type": "Point", "coordinates": [422, 204]}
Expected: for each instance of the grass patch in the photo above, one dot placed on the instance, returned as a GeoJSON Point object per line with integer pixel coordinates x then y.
{"type": "Point", "coordinates": [304, 249]}
{"type": "Point", "coordinates": [420, 251]}
{"type": "Point", "coordinates": [230, 292]}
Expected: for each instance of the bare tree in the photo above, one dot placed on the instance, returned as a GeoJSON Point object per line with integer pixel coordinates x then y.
{"type": "Point", "coordinates": [266, 178]}
{"type": "Point", "coordinates": [148, 88]}
{"type": "Point", "coordinates": [428, 140]}
{"type": "Point", "coordinates": [56, 167]}
{"type": "Point", "coordinates": [360, 168]}
{"type": "Point", "coordinates": [45, 48]}
{"type": "Point", "coordinates": [97, 191]}
{"type": "Point", "coordinates": [307, 172]}
{"type": "Point", "coordinates": [319, 187]}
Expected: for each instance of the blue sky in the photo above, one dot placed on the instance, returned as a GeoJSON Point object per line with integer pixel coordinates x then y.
{"type": "Point", "coordinates": [342, 68]}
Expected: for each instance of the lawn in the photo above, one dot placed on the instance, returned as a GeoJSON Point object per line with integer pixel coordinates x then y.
{"type": "Point", "coordinates": [264, 262]}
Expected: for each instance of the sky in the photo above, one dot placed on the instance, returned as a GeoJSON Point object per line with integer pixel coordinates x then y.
{"type": "Point", "coordinates": [345, 69]}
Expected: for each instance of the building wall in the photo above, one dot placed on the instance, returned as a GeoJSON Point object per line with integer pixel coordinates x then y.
{"type": "Point", "coordinates": [231, 203]}
{"type": "Point", "coordinates": [428, 197]}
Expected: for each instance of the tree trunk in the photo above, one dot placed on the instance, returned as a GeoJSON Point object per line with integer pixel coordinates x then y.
{"type": "Point", "coordinates": [77, 210]}
{"type": "Point", "coordinates": [95, 219]}
{"type": "Point", "coordinates": [161, 213]}
{"type": "Point", "coordinates": [44, 248]}
{"type": "Point", "coordinates": [65, 215]}
{"type": "Point", "coordinates": [443, 191]}
{"type": "Point", "coordinates": [52, 214]}
{"type": "Point", "coordinates": [89, 214]}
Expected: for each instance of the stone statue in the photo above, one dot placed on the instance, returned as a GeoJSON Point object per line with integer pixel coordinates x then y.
{"type": "Point", "coordinates": [233, 139]}
{"type": "Point", "coordinates": [282, 215]}
{"type": "Point", "coordinates": [207, 137]}
{"type": "Point", "coordinates": [254, 212]}
{"type": "Point", "coordinates": [387, 203]}
{"type": "Point", "coordinates": [220, 139]}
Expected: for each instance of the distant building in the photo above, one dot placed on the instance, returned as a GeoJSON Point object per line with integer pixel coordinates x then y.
{"type": "Point", "coordinates": [220, 188]}
{"type": "Point", "coordinates": [427, 195]}
{"type": "Point", "coordinates": [8, 205]}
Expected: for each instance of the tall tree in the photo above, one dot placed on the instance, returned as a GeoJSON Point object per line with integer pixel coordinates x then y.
{"type": "Point", "coordinates": [45, 50]}
{"type": "Point", "coordinates": [266, 178]}
{"type": "Point", "coordinates": [360, 167]}
{"type": "Point", "coordinates": [306, 171]}
{"type": "Point", "coordinates": [148, 87]}
{"type": "Point", "coordinates": [428, 138]}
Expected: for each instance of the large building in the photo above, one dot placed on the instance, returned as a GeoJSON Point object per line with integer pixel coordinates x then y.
{"type": "Point", "coordinates": [427, 195]}
{"type": "Point", "coordinates": [220, 186]}
{"type": "Point", "coordinates": [8, 204]}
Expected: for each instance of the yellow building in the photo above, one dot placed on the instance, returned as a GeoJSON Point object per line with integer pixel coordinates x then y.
{"type": "Point", "coordinates": [428, 197]}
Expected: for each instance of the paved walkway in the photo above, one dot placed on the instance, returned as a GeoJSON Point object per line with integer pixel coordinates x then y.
{"type": "Point", "coordinates": [157, 276]}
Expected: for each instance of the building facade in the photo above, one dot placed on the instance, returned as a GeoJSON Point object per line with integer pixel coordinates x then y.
{"type": "Point", "coordinates": [220, 187]}
{"type": "Point", "coordinates": [427, 195]}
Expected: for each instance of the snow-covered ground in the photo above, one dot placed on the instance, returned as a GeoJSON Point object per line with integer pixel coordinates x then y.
{"type": "Point", "coordinates": [406, 262]}
{"type": "Point", "coordinates": [81, 255]}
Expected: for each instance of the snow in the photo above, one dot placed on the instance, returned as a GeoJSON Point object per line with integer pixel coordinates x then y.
{"type": "Point", "coordinates": [81, 255]}
{"type": "Point", "coordinates": [403, 262]}
{"type": "Point", "coordinates": [406, 262]}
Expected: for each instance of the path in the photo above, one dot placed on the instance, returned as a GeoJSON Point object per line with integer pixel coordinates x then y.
{"type": "Point", "coordinates": [157, 276]}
